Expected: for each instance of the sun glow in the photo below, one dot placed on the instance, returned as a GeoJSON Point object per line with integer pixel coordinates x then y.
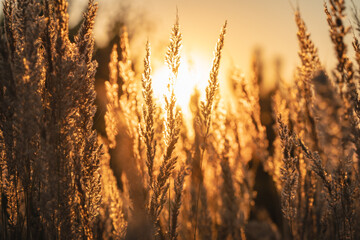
{"type": "Point", "coordinates": [193, 74]}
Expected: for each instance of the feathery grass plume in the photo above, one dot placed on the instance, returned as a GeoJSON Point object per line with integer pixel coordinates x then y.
{"type": "Point", "coordinates": [344, 71]}
{"type": "Point", "coordinates": [206, 108]}
{"type": "Point", "coordinates": [211, 90]}
{"type": "Point", "coordinates": [172, 57]}
{"type": "Point", "coordinates": [126, 73]}
{"type": "Point", "coordinates": [121, 94]}
{"type": "Point", "coordinates": [111, 212]}
{"type": "Point", "coordinates": [126, 78]}
{"type": "Point", "coordinates": [171, 131]}
{"type": "Point", "coordinates": [273, 165]}
{"type": "Point", "coordinates": [84, 38]}
{"type": "Point", "coordinates": [125, 65]}
{"type": "Point", "coordinates": [58, 105]}
{"type": "Point", "coordinates": [112, 90]}
{"type": "Point", "coordinates": [21, 91]}
{"type": "Point", "coordinates": [129, 98]}
{"type": "Point", "coordinates": [310, 66]}
{"type": "Point", "coordinates": [147, 126]}
{"type": "Point", "coordinates": [344, 74]}
{"type": "Point", "coordinates": [71, 97]}
{"type": "Point", "coordinates": [252, 96]}
{"type": "Point", "coordinates": [289, 177]}
{"type": "Point", "coordinates": [308, 52]}
{"type": "Point", "coordinates": [88, 154]}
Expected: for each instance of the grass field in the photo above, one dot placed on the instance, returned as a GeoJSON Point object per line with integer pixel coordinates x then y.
{"type": "Point", "coordinates": [173, 160]}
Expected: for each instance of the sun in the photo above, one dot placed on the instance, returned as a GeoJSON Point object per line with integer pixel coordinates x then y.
{"type": "Point", "coordinates": [193, 74]}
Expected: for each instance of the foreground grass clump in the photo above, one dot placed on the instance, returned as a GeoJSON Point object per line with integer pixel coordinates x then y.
{"type": "Point", "coordinates": [57, 176]}
{"type": "Point", "coordinates": [49, 152]}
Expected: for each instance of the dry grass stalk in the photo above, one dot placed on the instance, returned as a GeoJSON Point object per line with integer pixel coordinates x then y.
{"type": "Point", "coordinates": [207, 106]}
{"type": "Point", "coordinates": [310, 66]}
{"type": "Point", "coordinates": [289, 176]}
{"type": "Point", "coordinates": [171, 131]}
{"type": "Point", "coordinates": [344, 74]}
{"type": "Point", "coordinates": [147, 128]}
{"type": "Point", "coordinates": [338, 31]}
{"type": "Point", "coordinates": [211, 90]}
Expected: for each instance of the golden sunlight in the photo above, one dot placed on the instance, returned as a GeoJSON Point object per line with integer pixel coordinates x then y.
{"type": "Point", "coordinates": [193, 73]}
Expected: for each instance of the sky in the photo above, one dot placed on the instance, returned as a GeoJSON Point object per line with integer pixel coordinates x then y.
{"type": "Point", "coordinates": [265, 24]}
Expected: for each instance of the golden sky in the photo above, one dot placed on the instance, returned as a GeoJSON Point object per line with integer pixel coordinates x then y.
{"type": "Point", "coordinates": [268, 24]}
